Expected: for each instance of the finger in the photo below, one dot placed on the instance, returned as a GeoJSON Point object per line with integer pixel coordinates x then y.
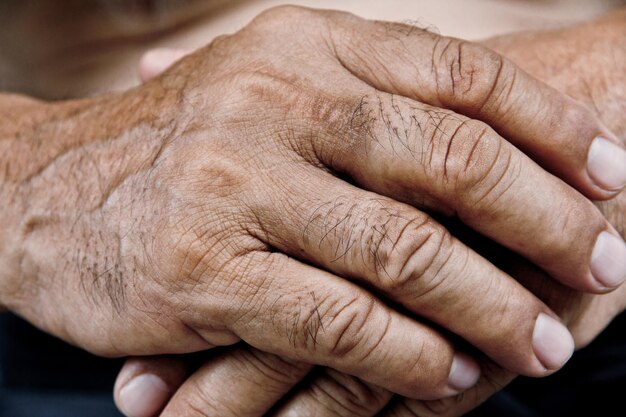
{"type": "Point", "coordinates": [493, 380]}
{"type": "Point", "coordinates": [585, 315]}
{"type": "Point", "coordinates": [145, 384]}
{"type": "Point", "coordinates": [414, 261]}
{"type": "Point", "coordinates": [300, 312]}
{"type": "Point", "coordinates": [155, 61]}
{"type": "Point", "coordinates": [477, 82]}
{"type": "Point", "coordinates": [440, 160]}
{"type": "Point", "coordinates": [243, 383]}
{"type": "Point", "coordinates": [332, 393]}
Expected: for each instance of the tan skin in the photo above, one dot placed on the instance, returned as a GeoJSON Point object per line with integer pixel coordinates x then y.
{"type": "Point", "coordinates": [274, 192]}
{"type": "Point", "coordinates": [581, 61]}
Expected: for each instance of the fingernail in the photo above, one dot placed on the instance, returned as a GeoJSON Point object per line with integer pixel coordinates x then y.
{"type": "Point", "coordinates": [552, 342]}
{"type": "Point", "coordinates": [608, 260]}
{"type": "Point", "coordinates": [143, 396]}
{"type": "Point", "coordinates": [464, 372]}
{"type": "Point", "coordinates": [606, 164]}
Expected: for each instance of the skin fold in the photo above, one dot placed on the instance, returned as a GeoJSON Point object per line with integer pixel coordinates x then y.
{"type": "Point", "coordinates": [583, 62]}
{"type": "Point", "coordinates": [289, 188]}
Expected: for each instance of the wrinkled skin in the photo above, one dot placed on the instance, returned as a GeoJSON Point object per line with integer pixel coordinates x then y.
{"type": "Point", "coordinates": [586, 67]}
{"type": "Point", "coordinates": [272, 188]}
{"type": "Point", "coordinates": [583, 62]}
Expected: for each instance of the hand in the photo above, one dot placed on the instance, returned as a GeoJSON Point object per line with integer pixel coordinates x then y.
{"type": "Point", "coordinates": [588, 67]}
{"type": "Point", "coordinates": [168, 219]}
{"type": "Point", "coordinates": [210, 391]}
{"type": "Point", "coordinates": [248, 382]}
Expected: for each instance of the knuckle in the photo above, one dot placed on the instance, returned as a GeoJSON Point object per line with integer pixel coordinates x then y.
{"type": "Point", "coordinates": [329, 118]}
{"type": "Point", "coordinates": [489, 66]}
{"type": "Point", "coordinates": [246, 279]}
{"type": "Point", "coordinates": [204, 256]}
{"type": "Point", "coordinates": [409, 252]}
{"type": "Point", "coordinates": [219, 42]}
{"type": "Point", "coordinates": [275, 17]}
{"type": "Point", "coordinates": [332, 324]}
{"type": "Point", "coordinates": [347, 332]}
{"type": "Point", "coordinates": [185, 253]}
{"type": "Point", "coordinates": [354, 120]}
{"type": "Point", "coordinates": [454, 141]}
{"type": "Point", "coordinates": [362, 116]}
{"type": "Point", "coordinates": [286, 109]}
{"type": "Point", "coordinates": [257, 87]}
{"type": "Point", "coordinates": [491, 173]}
{"type": "Point", "coordinates": [390, 123]}
{"type": "Point", "coordinates": [469, 151]}
{"type": "Point", "coordinates": [467, 72]}
{"type": "Point", "coordinates": [470, 162]}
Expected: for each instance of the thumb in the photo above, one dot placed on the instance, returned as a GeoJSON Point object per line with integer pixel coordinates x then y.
{"type": "Point", "coordinates": [155, 61]}
{"type": "Point", "coordinates": [144, 386]}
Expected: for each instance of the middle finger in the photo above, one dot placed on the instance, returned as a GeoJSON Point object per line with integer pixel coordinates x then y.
{"type": "Point", "coordinates": [416, 262]}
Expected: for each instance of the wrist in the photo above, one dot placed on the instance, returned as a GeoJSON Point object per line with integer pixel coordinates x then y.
{"type": "Point", "coordinates": [32, 135]}
{"type": "Point", "coordinates": [18, 115]}
{"type": "Point", "coordinates": [58, 162]}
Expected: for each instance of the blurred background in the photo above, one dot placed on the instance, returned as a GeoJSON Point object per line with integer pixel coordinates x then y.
{"type": "Point", "coordinates": [72, 48]}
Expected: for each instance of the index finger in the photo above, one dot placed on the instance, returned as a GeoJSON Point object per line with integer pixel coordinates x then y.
{"type": "Point", "coordinates": [561, 134]}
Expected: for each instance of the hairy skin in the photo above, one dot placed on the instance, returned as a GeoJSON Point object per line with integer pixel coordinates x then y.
{"type": "Point", "coordinates": [583, 62]}
{"type": "Point", "coordinates": [211, 205]}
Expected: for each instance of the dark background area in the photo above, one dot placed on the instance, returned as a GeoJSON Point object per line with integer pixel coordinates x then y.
{"type": "Point", "coordinates": [41, 376]}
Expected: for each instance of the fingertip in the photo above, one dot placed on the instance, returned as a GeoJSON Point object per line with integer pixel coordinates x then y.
{"type": "Point", "coordinates": [606, 165]}
{"type": "Point", "coordinates": [608, 261]}
{"type": "Point", "coordinates": [552, 342]}
{"type": "Point", "coordinates": [131, 367]}
{"type": "Point", "coordinates": [464, 372]}
{"type": "Point", "coordinates": [144, 385]}
{"type": "Point", "coordinates": [143, 395]}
